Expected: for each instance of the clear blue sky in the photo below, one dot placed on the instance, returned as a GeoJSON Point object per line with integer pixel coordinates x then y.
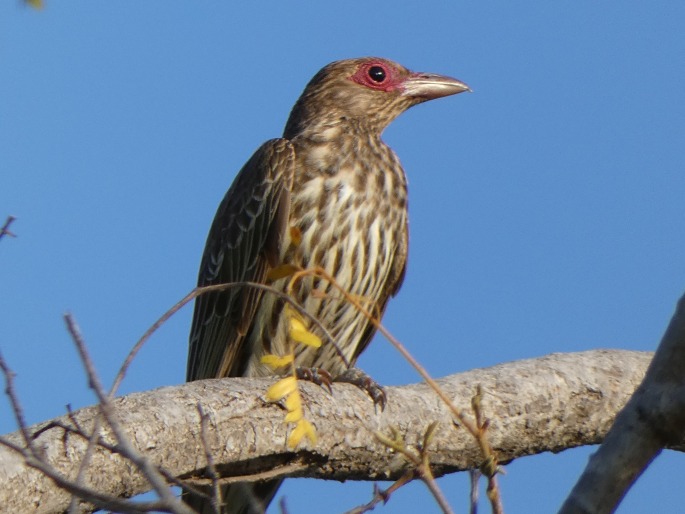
{"type": "Point", "coordinates": [546, 208]}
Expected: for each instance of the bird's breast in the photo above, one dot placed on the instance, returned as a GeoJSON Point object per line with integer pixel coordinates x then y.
{"type": "Point", "coordinates": [348, 208]}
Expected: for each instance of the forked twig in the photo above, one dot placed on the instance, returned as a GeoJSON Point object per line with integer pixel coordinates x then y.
{"type": "Point", "coordinates": [5, 229]}
{"type": "Point", "coordinates": [382, 495]}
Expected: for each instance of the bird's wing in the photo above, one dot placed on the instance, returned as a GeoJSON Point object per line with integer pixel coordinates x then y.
{"type": "Point", "coordinates": [244, 240]}
{"type": "Point", "coordinates": [398, 267]}
{"type": "Point", "coordinates": [399, 263]}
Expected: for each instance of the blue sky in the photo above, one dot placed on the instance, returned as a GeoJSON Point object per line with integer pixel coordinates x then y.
{"type": "Point", "coordinates": [546, 208]}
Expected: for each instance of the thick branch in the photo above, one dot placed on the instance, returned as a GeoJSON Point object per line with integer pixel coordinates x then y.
{"type": "Point", "coordinates": [546, 404]}
{"type": "Point", "coordinates": [653, 419]}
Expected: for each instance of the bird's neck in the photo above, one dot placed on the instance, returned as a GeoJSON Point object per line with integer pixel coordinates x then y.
{"type": "Point", "coordinates": [331, 129]}
{"type": "Point", "coordinates": [331, 147]}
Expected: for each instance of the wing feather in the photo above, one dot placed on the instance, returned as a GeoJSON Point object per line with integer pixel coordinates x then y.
{"type": "Point", "coordinates": [245, 238]}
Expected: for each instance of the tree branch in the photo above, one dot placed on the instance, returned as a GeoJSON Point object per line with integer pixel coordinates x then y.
{"type": "Point", "coordinates": [546, 404]}
{"type": "Point", "coordinates": [653, 419]}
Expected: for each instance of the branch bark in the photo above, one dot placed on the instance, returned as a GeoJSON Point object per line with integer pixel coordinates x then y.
{"type": "Point", "coordinates": [546, 404]}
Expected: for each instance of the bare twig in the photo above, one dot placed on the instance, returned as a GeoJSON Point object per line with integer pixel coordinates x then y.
{"type": "Point", "coordinates": [215, 499]}
{"type": "Point", "coordinates": [489, 468]}
{"type": "Point", "coordinates": [212, 289]}
{"type": "Point", "coordinates": [382, 495]}
{"type": "Point", "coordinates": [220, 287]}
{"type": "Point", "coordinates": [5, 229]}
{"type": "Point", "coordinates": [16, 406]}
{"type": "Point", "coordinates": [420, 460]}
{"type": "Point", "coordinates": [474, 477]}
{"type": "Point", "coordinates": [425, 470]}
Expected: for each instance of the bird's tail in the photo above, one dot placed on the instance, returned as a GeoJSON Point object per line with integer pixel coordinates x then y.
{"type": "Point", "coordinates": [247, 498]}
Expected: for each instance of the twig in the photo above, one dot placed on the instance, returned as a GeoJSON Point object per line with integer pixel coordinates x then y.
{"type": "Point", "coordinates": [421, 462]}
{"type": "Point", "coordinates": [426, 472]}
{"type": "Point", "coordinates": [215, 499]}
{"type": "Point", "coordinates": [474, 478]}
{"type": "Point", "coordinates": [382, 495]}
{"type": "Point", "coordinates": [212, 289]}
{"type": "Point", "coordinates": [489, 467]}
{"type": "Point", "coordinates": [16, 406]}
{"type": "Point", "coordinates": [5, 230]}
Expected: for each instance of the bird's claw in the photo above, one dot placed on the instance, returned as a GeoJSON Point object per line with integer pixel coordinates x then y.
{"type": "Point", "coordinates": [359, 378]}
{"type": "Point", "coordinates": [318, 376]}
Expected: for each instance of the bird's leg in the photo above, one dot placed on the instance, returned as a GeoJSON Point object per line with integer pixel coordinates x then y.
{"type": "Point", "coordinates": [318, 376]}
{"type": "Point", "coordinates": [356, 376]}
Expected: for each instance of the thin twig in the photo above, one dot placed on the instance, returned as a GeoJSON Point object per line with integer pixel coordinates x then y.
{"type": "Point", "coordinates": [16, 406]}
{"type": "Point", "coordinates": [130, 453]}
{"type": "Point", "coordinates": [474, 478]}
{"type": "Point", "coordinates": [93, 440]}
{"type": "Point", "coordinates": [428, 479]}
{"type": "Point", "coordinates": [421, 461]}
{"type": "Point", "coordinates": [215, 500]}
{"type": "Point", "coordinates": [283, 506]}
{"type": "Point", "coordinates": [489, 467]}
{"type": "Point", "coordinates": [427, 474]}
{"type": "Point", "coordinates": [494, 496]}
{"type": "Point", "coordinates": [212, 289]}
{"type": "Point", "coordinates": [382, 495]}
{"type": "Point", "coordinates": [5, 230]}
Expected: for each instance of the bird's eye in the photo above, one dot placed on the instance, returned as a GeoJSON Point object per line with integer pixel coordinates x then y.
{"type": "Point", "coordinates": [377, 74]}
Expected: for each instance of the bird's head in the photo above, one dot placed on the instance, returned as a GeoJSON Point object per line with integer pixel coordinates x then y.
{"type": "Point", "coordinates": [369, 92]}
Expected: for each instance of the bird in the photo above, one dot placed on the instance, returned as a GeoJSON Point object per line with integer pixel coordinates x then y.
{"type": "Point", "coordinates": [329, 194]}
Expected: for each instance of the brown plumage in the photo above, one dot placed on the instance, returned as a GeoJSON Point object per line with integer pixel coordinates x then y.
{"type": "Point", "coordinates": [333, 180]}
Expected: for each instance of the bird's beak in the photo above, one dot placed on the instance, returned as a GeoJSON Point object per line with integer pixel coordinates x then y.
{"type": "Point", "coordinates": [428, 86]}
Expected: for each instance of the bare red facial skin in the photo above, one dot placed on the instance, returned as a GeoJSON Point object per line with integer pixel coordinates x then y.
{"type": "Point", "coordinates": [378, 75]}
